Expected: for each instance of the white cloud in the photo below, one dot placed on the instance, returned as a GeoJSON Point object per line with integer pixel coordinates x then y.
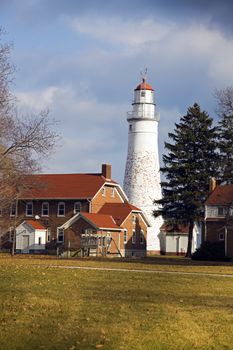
{"type": "Point", "coordinates": [118, 31]}
{"type": "Point", "coordinates": [90, 130]}
{"type": "Point", "coordinates": [91, 90]}
{"type": "Point", "coordinates": [37, 100]}
{"type": "Point", "coordinates": [189, 49]}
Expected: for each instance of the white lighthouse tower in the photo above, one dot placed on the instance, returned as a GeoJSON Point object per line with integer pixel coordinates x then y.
{"type": "Point", "coordinates": [142, 176]}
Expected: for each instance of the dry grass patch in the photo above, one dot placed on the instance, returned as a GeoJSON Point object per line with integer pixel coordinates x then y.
{"type": "Point", "coordinates": [44, 308]}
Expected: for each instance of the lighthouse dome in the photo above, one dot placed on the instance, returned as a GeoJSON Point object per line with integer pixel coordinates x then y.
{"type": "Point", "coordinates": [144, 86]}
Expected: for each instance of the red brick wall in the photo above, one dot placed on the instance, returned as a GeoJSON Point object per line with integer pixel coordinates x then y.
{"type": "Point", "coordinates": [212, 230]}
{"type": "Point", "coordinates": [73, 235]}
{"type": "Point", "coordinates": [138, 226]}
{"type": "Point", "coordinates": [99, 200]}
{"type": "Point", "coordinates": [53, 221]}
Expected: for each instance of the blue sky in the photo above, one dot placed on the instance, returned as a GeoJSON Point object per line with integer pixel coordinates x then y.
{"type": "Point", "coordinates": [82, 60]}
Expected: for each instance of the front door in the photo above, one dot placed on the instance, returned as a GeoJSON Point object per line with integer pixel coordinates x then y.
{"type": "Point", "coordinates": [25, 244]}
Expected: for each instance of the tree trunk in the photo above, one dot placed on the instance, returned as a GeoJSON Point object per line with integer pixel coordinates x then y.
{"type": "Point", "coordinates": [190, 239]}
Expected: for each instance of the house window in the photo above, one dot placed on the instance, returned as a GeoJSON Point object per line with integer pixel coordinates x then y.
{"type": "Point", "coordinates": [61, 209]}
{"type": "Point", "coordinates": [13, 209]}
{"type": "Point", "coordinates": [45, 209]}
{"type": "Point", "coordinates": [125, 236]}
{"type": "Point", "coordinates": [220, 211]}
{"type": "Point", "coordinates": [134, 237]}
{"type": "Point", "coordinates": [60, 235]}
{"type": "Point", "coordinates": [29, 209]}
{"type": "Point", "coordinates": [221, 236]}
{"type": "Point", "coordinates": [103, 191]}
{"type": "Point", "coordinates": [112, 192]}
{"type": "Point", "coordinates": [48, 234]}
{"type": "Point", "coordinates": [88, 231]}
{"type": "Point", "coordinates": [39, 240]}
{"type": "Point", "coordinates": [133, 219]}
{"type": "Point", "coordinates": [142, 237]}
{"type": "Point", "coordinates": [77, 207]}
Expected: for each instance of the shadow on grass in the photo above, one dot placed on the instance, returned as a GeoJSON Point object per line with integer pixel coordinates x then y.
{"type": "Point", "coordinates": [156, 260]}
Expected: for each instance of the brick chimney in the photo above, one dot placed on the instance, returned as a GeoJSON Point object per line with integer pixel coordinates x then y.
{"type": "Point", "coordinates": [107, 171]}
{"type": "Point", "coordinates": [212, 184]}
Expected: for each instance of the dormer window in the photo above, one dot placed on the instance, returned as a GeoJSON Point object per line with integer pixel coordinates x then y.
{"type": "Point", "coordinates": [103, 191]}
{"type": "Point", "coordinates": [133, 219]}
{"type": "Point", "coordinates": [61, 209]}
{"type": "Point", "coordinates": [112, 192]}
{"type": "Point", "coordinates": [29, 209]}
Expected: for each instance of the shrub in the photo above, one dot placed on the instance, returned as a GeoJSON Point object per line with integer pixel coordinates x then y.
{"type": "Point", "coordinates": [211, 251]}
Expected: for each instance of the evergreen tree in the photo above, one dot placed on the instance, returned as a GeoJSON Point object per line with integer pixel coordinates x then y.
{"type": "Point", "coordinates": [190, 162]}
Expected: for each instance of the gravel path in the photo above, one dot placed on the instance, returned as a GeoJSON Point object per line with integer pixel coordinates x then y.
{"type": "Point", "coordinates": [141, 271]}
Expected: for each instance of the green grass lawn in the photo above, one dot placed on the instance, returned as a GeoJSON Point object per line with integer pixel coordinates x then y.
{"type": "Point", "coordinates": [43, 307]}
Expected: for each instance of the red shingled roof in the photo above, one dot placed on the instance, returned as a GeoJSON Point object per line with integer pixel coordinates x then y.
{"type": "Point", "coordinates": [101, 221]}
{"type": "Point", "coordinates": [119, 211]}
{"type": "Point", "coordinates": [52, 186]}
{"type": "Point", "coordinates": [144, 86]}
{"type": "Point", "coordinates": [35, 224]}
{"type": "Point", "coordinates": [174, 228]}
{"type": "Point", "coordinates": [222, 195]}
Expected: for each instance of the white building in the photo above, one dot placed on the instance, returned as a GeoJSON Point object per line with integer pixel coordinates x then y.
{"type": "Point", "coordinates": [174, 238]}
{"type": "Point", "coordinates": [142, 176]}
{"type": "Point", "coordinates": [30, 237]}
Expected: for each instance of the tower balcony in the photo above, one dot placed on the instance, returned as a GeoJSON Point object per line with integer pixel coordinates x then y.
{"type": "Point", "coordinates": [140, 115]}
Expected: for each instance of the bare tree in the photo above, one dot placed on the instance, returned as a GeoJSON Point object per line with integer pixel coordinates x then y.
{"type": "Point", "coordinates": [224, 99]}
{"type": "Point", "coordinates": [24, 140]}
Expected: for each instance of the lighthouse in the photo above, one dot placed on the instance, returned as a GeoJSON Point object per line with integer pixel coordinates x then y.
{"type": "Point", "coordinates": [142, 175]}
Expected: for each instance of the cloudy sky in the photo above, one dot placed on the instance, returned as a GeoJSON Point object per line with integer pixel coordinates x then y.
{"type": "Point", "coordinates": [82, 60]}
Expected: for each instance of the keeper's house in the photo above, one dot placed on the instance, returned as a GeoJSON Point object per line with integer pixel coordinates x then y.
{"type": "Point", "coordinates": [88, 214]}
{"type": "Point", "coordinates": [219, 216]}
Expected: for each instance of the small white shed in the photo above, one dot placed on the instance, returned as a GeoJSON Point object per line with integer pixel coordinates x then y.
{"type": "Point", "coordinates": [174, 238]}
{"type": "Point", "coordinates": [30, 237]}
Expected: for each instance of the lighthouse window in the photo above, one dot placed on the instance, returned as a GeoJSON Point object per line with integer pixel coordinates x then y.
{"type": "Point", "coordinates": [130, 127]}
{"type": "Point", "coordinates": [143, 93]}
